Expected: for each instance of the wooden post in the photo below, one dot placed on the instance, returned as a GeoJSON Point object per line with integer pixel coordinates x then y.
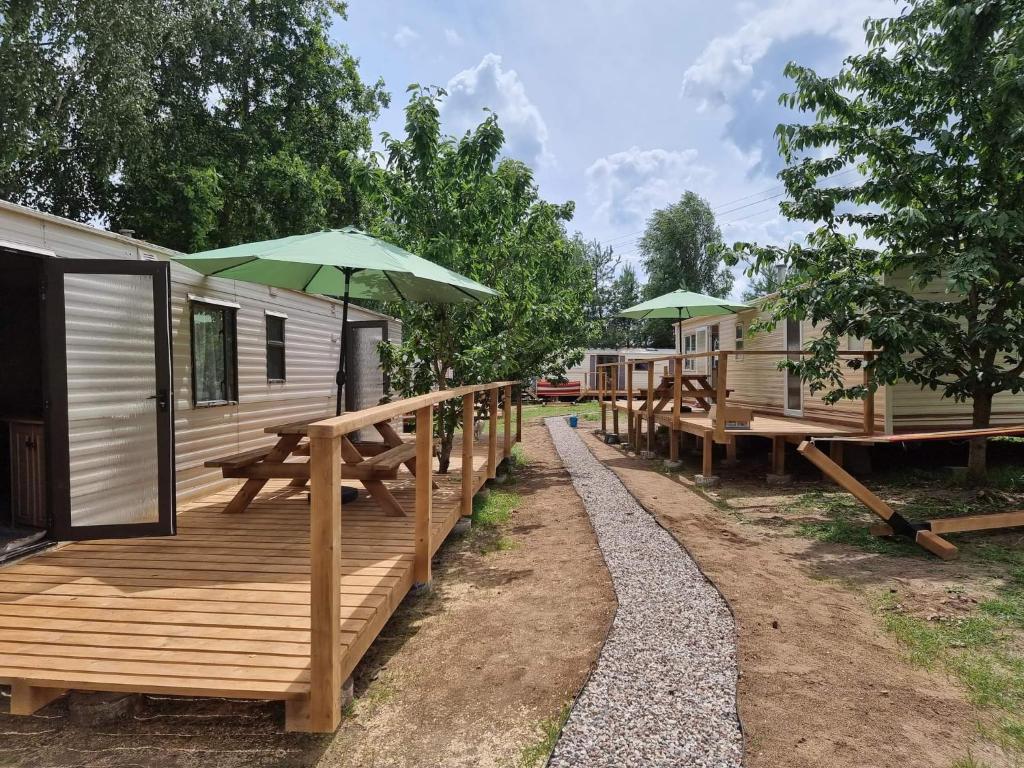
{"type": "Point", "coordinates": [650, 407]}
{"type": "Point", "coordinates": [492, 436]}
{"type": "Point", "coordinates": [835, 452]}
{"type": "Point", "coordinates": [424, 493]}
{"type": "Point", "coordinates": [615, 398]}
{"type": "Point", "coordinates": [630, 426]}
{"type": "Point", "coordinates": [730, 450]}
{"type": "Point", "coordinates": [778, 455]}
{"type": "Point", "coordinates": [324, 713]}
{"type": "Point", "coordinates": [468, 474]}
{"type": "Point", "coordinates": [707, 459]}
{"type": "Point", "coordinates": [600, 397]}
{"type": "Point", "coordinates": [519, 413]}
{"type": "Point", "coordinates": [721, 395]}
{"type": "Point", "coordinates": [507, 419]}
{"type": "Point", "coordinates": [869, 401]}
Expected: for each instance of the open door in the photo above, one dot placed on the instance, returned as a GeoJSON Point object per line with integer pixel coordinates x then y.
{"type": "Point", "coordinates": [109, 411]}
{"type": "Point", "coordinates": [794, 390]}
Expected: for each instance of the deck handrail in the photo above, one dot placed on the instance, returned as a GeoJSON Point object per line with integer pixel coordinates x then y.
{"type": "Point", "coordinates": [321, 711]}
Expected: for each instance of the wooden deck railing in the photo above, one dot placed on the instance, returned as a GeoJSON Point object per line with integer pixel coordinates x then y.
{"type": "Point", "coordinates": [609, 390]}
{"type": "Point", "coordinates": [325, 438]}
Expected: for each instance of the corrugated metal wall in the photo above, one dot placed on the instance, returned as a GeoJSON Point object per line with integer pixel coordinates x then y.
{"type": "Point", "coordinates": [313, 331]}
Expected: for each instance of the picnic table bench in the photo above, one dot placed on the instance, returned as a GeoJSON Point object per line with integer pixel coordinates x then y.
{"type": "Point", "coordinates": [368, 462]}
{"type": "Point", "coordinates": [695, 385]}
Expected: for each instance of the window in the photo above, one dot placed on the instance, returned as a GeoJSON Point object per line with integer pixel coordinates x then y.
{"type": "Point", "coordinates": [739, 337]}
{"type": "Point", "coordinates": [214, 354]}
{"type": "Point", "coordinates": [853, 344]}
{"type": "Point", "coordinates": [689, 347]}
{"type": "Point", "coordinates": [275, 347]}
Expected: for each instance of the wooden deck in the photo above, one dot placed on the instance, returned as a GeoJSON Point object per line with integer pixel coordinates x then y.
{"type": "Point", "coordinates": [221, 609]}
{"type": "Point", "coordinates": [697, 422]}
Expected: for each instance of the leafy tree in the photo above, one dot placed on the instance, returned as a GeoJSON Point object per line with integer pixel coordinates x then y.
{"type": "Point", "coordinates": [764, 280]}
{"type": "Point", "coordinates": [923, 256]}
{"type": "Point", "coordinates": [681, 248]}
{"type": "Point", "coordinates": [626, 291]}
{"type": "Point", "coordinates": [452, 201]}
{"type": "Point", "coordinates": [602, 262]}
{"type": "Point", "coordinates": [199, 123]}
{"type": "Point", "coordinates": [75, 92]}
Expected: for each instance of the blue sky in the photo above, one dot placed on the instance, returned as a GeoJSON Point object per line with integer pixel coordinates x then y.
{"type": "Point", "coordinates": [619, 106]}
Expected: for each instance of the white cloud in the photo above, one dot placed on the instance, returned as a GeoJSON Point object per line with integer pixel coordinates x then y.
{"type": "Point", "coordinates": [489, 85]}
{"type": "Point", "coordinates": [726, 65]}
{"type": "Point", "coordinates": [452, 37]}
{"type": "Point", "coordinates": [626, 186]}
{"type": "Point", "coordinates": [405, 36]}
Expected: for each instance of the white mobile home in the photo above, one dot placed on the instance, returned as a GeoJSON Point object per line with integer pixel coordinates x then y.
{"type": "Point", "coordinates": [586, 372]}
{"type": "Point", "coordinates": [123, 373]}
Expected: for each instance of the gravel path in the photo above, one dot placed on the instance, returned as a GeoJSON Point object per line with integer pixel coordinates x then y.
{"type": "Point", "coordinates": [664, 689]}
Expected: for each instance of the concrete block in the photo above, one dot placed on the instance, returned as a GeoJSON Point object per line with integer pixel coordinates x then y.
{"type": "Point", "coordinates": [707, 481]}
{"type": "Point", "coordinates": [648, 455]}
{"type": "Point", "coordinates": [462, 526]}
{"type": "Point", "coordinates": [611, 439]}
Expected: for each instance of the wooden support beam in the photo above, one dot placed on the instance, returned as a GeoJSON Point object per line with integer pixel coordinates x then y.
{"type": "Point", "coordinates": [506, 417]}
{"type": "Point", "coordinates": [707, 459]}
{"type": "Point", "coordinates": [652, 425]}
{"type": "Point", "coordinates": [492, 436]}
{"type": "Point", "coordinates": [778, 455]}
{"type": "Point", "coordinates": [28, 699]}
{"type": "Point", "coordinates": [937, 545]}
{"type": "Point", "coordinates": [730, 450]}
{"type": "Point", "coordinates": [835, 452]}
{"type": "Point", "coordinates": [721, 396]}
{"type": "Point", "coordinates": [324, 710]}
{"type": "Point", "coordinates": [615, 399]}
{"type": "Point", "coordinates": [845, 480]}
{"type": "Point", "coordinates": [424, 492]}
{"type": "Point", "coordinates": [631, 426]}
{"type": "Point", "coordinates": [600, 396]}
{"type": "Point", "coordinates": [468, 475]}
{"type": "Point", "coordinates": [519, 413]}
{"type": "Point", "coordinates": [977, 522]}
{"type": "Point", "coordinates": [869, 401]}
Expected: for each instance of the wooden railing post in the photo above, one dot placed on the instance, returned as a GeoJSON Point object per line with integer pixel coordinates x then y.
{"type": "Point", "coordinates": [869, 401]}
{"type": "Point", "coordinates": [424, 493]}
{"type": "Point", "coordinates": [615, 398]}
{"type": "Point", "coordinates": [468, 475]}
{"type": "Point", "coordinates": [507, 419]}
{"type": "Point", "coordinates": [630, 427]}
{"type": "Point", "coordinates": [651, 428]}
{"type": "Point", "coordinates": [721, 396]}
{"type": "Point", "coordinates": [602, 378]}
{"type": "Point", "coordinates": [324, 585]}
{"type": "Point", "coordinates": [677, 403]}
{"type": "Point", "coordinates": [519, 413]}
{"type": "Point", "coordinates": [492, 435]}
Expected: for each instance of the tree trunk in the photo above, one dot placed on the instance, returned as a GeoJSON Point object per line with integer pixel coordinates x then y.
{"type": "Point", "coordinates": [976, 460]}
{"type": "Point", "coordinates": [444, 455]}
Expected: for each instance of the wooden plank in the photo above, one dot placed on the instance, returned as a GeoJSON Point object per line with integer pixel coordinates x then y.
{"type": "Point", "coordinates": [722, 397]}
{"type": "Point", "coordinates": [244, 496]}
{"type": "Point", "coordinates": [507, 422]}
{"type": "Point", "coordinates": [424, 492]}
{"type": "Point", "coordinates": [492, 436]}
{"type": "Point", "coordinates": [937, 545]}
{"type": "Point", "coordinates": [468, 413]}
{"type": "Point", "coordinates": [108, 681]}
{"type": "Point", "coordinates": [707, 457]}
{"type": "Point", "coordinates": [869, 401]}
{"type": "Point", "coordinates": [630, 426]}
{"type": "Point", "coordinates": [28, 699]}
{"type": "Point", "coordinates": [324, 709]}
{"type": "Point", "coordinates": [390, 459]}
{"type": "Point", "coordinates": [519, 416]}
{"type": "Point", "coordinates": [236, 460]}
{"type": "Point", "coordinates": [977, 522]}
{"type": "Point", "coordinates": [649, 408]}
{"type": "Point", "coordinates": [845, 480]}
{"type": "Point", "coordinates": [778, 455]}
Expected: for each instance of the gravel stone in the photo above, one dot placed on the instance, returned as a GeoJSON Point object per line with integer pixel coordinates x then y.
{"type": "Point", "coordinates": [663, 692]}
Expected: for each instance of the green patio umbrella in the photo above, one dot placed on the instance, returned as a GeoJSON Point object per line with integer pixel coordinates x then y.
{"type": "Point", "coordinates": [346, 263]}
{"type": "Point", "coordinates": [682, 305]}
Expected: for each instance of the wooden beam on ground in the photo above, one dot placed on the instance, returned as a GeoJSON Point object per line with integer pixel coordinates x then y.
{"type": "Point", "coordinates": [28, 699]}
{"type": "Point", "coordinates": [845, 480]}
{"type": "Point", "coordinates": [492, 436]}
{"type": "Point", "coordinates": [324, 712]}
{"type": "Point", "coordinates": [937, 545]}
{"type": "Point", "coordinates": [977, 522]}
{"type": "Point", "coordinates": [424, 492]}
{"type": "Point", "coordinates": [468, 475]}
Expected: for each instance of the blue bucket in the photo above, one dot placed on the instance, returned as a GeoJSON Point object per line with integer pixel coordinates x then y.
{"type": "Point", "coordinates": [574, 421]}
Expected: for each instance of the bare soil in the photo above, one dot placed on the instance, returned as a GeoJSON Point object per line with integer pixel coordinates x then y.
{"type": "Point", "coordinates": [466, 674]}
{"type": "Point", "coordinates": [821, 682]}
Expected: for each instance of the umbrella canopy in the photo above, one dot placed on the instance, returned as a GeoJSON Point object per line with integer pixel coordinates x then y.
{"type": "Point", "coordinates": [339, 262]}
{"type": "Point", "coordinates": [319, 262]}
{"type": "Point", "coordinates": [682, 305]}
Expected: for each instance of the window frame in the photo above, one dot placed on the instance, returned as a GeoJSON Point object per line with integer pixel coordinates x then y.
{"type": "Point", "coordinates": [274, 343]}
{"type": "Point", "coordinates": [689, 348]}
{"type": "Point", "coordinates": [739, 337]}
{"type": "Point", "coordinates": [230, 312]}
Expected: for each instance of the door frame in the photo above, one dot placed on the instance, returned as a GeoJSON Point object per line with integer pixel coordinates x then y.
{"type": "Point", "coordinates": [56, 406]}
{"type": "Point", "coordinates": [786, 410]}
{"type": "Point", "coordinates": [350, 328]}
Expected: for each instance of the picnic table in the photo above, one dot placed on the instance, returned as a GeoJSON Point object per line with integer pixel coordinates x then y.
{"type": "Point", "coordinates": [368, 462]}
{"type": "Point", "coordinates": [695, 385]}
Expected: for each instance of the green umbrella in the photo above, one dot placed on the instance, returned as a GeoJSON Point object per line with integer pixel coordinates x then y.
{"type": "Point", "coordinates": [682, 305]}
{"type": "Point", "coordinates": [339, 262]}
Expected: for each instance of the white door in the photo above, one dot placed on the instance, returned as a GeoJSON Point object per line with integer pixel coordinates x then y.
{"type": "Point", "coordinates": [794, 391]}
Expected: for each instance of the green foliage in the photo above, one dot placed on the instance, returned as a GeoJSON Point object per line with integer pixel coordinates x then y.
{"type": "Point", "coordinates": [602, 262]}
{"type": "Point", "coordinates": [626, 292]}
{"type": "Point", "coordinates": [764, 281]}
{"type": "Point", "coordinates": [455, 202]}
{"type": "Point", "coordinates": [681, 248]}
{"type": "Point", "coordinates": [535, 754]}
{"type": "Point", "coordinates": [197, 124]}
{"type": "Point", "coordinates": [922, 253]}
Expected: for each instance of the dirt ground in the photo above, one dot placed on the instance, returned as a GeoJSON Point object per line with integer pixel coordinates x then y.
{"type": "Point", "coordinates": [468, 674]}
{"type": "Point", "coordinates": [821, 682]}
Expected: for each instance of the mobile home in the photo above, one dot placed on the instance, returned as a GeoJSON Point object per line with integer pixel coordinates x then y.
{"type": "Point", "coordinates": [123, 373]}
{"type": "Point", "coordinates": [586, 372]}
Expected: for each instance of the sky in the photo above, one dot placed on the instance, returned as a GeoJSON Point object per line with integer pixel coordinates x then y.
{"type": "Point", "coordinates": [619, 105]}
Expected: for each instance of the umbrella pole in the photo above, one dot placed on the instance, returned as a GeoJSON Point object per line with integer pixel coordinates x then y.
{"type": "Point", "coordinates": [679, 330]}
{"type": "Point", "coordinates": [340, 378]}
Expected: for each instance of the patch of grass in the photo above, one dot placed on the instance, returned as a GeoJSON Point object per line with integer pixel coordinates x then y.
{"type": "Point", "coordinates": [518, 459]}
{"type": "Point", "coordinates": [589, 410]}
{"type": "Point", "coordinates": [535, 754]}
{"type": "Point", "coordinates": [844, 521]}
{"type": "Point", "coordinates": [968, 762]}
{"type": "Point", "coordinates": [494, 508]}
{"type": "Point", "coordinates": [499, 544]}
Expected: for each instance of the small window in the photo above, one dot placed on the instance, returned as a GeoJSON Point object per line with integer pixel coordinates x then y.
{"type": "Point", "coordinates": [214, 355]}
{"type": "Point", "coordinates": [690, 347]}
{"type": "Point", "coordinates": [853, 344]}
{"type": "Point", "coordinates": [275, 348]}
{"type": "Point", "coordinates": [739, 337]}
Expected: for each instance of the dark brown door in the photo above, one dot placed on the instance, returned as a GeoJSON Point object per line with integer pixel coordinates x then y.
{"type": "Point", "coordinates": [109, 409]}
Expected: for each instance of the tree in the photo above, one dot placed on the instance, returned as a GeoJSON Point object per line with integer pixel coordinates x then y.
{"type": "Point", "coordinates": [452, 201]}
{"type": "Point", "coordinates": [626, 291]}
{"type": "Point", "coordinates": [198, 124]}
{"type": "Point", "coordinates": [923, 254]}
{"type": "Point", "coordinates": [764, 281]}
{"type": "Point", "coordinates": [602, 262]}
{"type": "Point", "coordinates": [681, 248]}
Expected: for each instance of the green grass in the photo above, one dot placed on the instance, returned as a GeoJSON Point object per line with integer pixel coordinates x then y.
{"type": "Point", "coordinates": [494, 508]}
{"type": "Point", "coordinates": [535, 754]}
{"type": "Point", "coordinates": [588, 410]}
{"type": "Point", "coordinates": [845, 521]}
{"type": "Point", "coordinates": [968, 762]}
